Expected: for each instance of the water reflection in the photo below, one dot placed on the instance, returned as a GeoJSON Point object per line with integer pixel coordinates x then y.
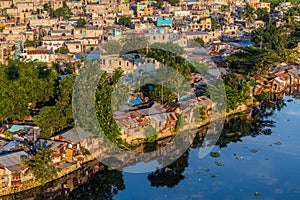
{"type": "Point", "coordinates": [103, 185]}
{"type": "Point", "coordinates": [170, 176]}
{"type": "Point", "coordinates": [253, 123]}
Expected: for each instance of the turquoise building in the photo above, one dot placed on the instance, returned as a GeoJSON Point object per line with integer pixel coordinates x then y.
{"type": "Point", "coordinates": [164, 21]}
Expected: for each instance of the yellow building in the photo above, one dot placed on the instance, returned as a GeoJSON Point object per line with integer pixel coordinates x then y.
{"type": "Point", "coordinates": [267, 6]}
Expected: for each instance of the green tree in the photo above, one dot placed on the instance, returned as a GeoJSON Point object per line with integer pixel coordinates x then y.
{"type": "Point", "coordinates": [24, 84]}
{"type": "Point", "coordinates": [291, 13]}
{"type": "Point", "coordinates": [46, 7]}
{"type": "Point", "coordinates": [251, 60]}
{"type": "Point", "coordinates": [271, 38]}
{"type": "Point", "coordinates": [81, 23]}
{"type": "Point", "coordinates": [224, 8]}
{"type": "Point", "coordinates": [30, 43]}
{"type": "Point", "coordinates": [162, 94]}
{"type": "Point", "coordinates": [104, 107]}
{"type": "Point", "coordinates": [173, 2]}
{"type": "Point", "coordinates": [197, 42]}
{"type": "Point", "coordinates": [62, 50]}
{"type": "Point", "coordinates": [125, 20]}
{"type": "Point", "coordinates": [248, 14]}
{"type": "Point", "coordinates": [134, 43]}
{"type": "Point", "coordinates": [151, 133]}
{"type": "Point", "coordinates": [168, 46]}
{"type": "Point", "coordinates": [52, 119]}
{"type": "Point", "coordinates": [64, 11]}
{"type": "Point", "coordinates": [213, 24]}
{"type": "Point", "coordinates": [41, 165]}
{"type": "Point", "coordinates": [263, 14]}
{"type": "Point", "coordinates": [158, 4]}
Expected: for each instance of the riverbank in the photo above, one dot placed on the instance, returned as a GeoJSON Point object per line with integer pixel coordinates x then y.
{"type": "Point", "coordinates": [136, 141]}
{"type": "Point", "coordinates": [67, 169]}
{"type": "Point", "coordinates": [71, 167]}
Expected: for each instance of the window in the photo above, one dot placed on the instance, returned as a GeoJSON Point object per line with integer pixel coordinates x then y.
{"type": "Point", "coordinates": [77, 46]}
{"type": "Point", "coordinates": [120, 62]}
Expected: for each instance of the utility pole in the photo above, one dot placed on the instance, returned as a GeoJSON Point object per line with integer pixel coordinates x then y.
{"type": "Point", "coordinates": [162, 93]}
{"type": "Point", "coordinates": [260, 43]}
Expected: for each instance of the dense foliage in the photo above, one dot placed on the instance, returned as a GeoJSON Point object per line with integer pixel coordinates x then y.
{"type": "Point", "coordinates": [64, 12]}
{"type": "Point", "coordinates": [59, 116]}
{"type": "Point", "coordinates": [125, 20]}
{"type": "Point", "coordinates": [23, 85]}
{"type": "Point", "coordinates": [30, 43]}
{"type": "Point", "coordinates": [40, 164]}
{"type": "Point", "coordinates": [62, 50]}
{"type": "Point", "coordinates": [104, 107]}
{"type": "Point", "coordinates": [80, 23]}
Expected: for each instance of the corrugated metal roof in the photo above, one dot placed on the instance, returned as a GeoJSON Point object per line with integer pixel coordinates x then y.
{"type": "Point", "coordinates": [74, 135]}
{"type": "Point", "coordinates": [12, 159]}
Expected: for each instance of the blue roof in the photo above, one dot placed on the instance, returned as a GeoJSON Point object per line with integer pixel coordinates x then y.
{"type": "Point", "coordinates": [196, 33]}
{"type": "Point", "coordinates": [135, 101]}
{"type": "Point", "coordinates": [61, 77]}
{"type": "Point", "coordinates": [10, 145]}
{"type": "Point", "coordinates": [89, 56]}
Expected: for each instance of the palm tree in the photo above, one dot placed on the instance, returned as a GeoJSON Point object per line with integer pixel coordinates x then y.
{"type": "Point", "coordinates": [248, 14]}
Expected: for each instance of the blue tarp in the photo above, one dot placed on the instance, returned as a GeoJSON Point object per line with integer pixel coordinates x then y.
{"type": "Point", "coordinates": [89, 56]}
{"type": "Point", "coordinates": [10, 145]}
{"type": "Point", "coordinates": [184, 97]}
{"type": "Point", "coordinates": [16, 128]}
{"type": "Point", "coordinates": [136, 101]}
{"type": "Point", "coordinates": [61, 77]}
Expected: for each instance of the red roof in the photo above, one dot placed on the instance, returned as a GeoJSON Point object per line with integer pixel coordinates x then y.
{"type": "Point", "coordinates": [37, 51]}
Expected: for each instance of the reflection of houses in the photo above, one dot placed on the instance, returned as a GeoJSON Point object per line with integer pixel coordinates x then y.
{"type": "Point", "coordinates": [295, 76]}
{"type": "Point", "coordinates": [278, 84]}
{"type": "Point", "coordinates": [12, 171]}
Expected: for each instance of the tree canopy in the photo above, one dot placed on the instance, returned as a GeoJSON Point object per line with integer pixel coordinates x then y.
{"type": "Point", "coordinates": [125, 20]}
{"type": "Point", "coordinates": [81, 23]}
{"type": "Point", "coordinates": [55, 118]}
{"type": "Point", "coordinates": [64, 11]}
{"type": "Point", "coordinates": [24, 84]}
{"type": "Point", "coordinates": [62, 50]}
{"type": "Point", "coordinates": [40, 164]}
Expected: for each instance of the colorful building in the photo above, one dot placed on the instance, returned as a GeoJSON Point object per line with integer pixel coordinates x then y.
{"type": "Point", "coordinates": [164, 21]}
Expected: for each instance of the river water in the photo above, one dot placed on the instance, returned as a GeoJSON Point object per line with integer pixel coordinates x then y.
{"type": "Point", "coordinates": [259, 159]}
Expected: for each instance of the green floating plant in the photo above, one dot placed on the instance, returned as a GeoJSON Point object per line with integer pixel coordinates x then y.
{"type": "Point", "coordinates": [215, 154]}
